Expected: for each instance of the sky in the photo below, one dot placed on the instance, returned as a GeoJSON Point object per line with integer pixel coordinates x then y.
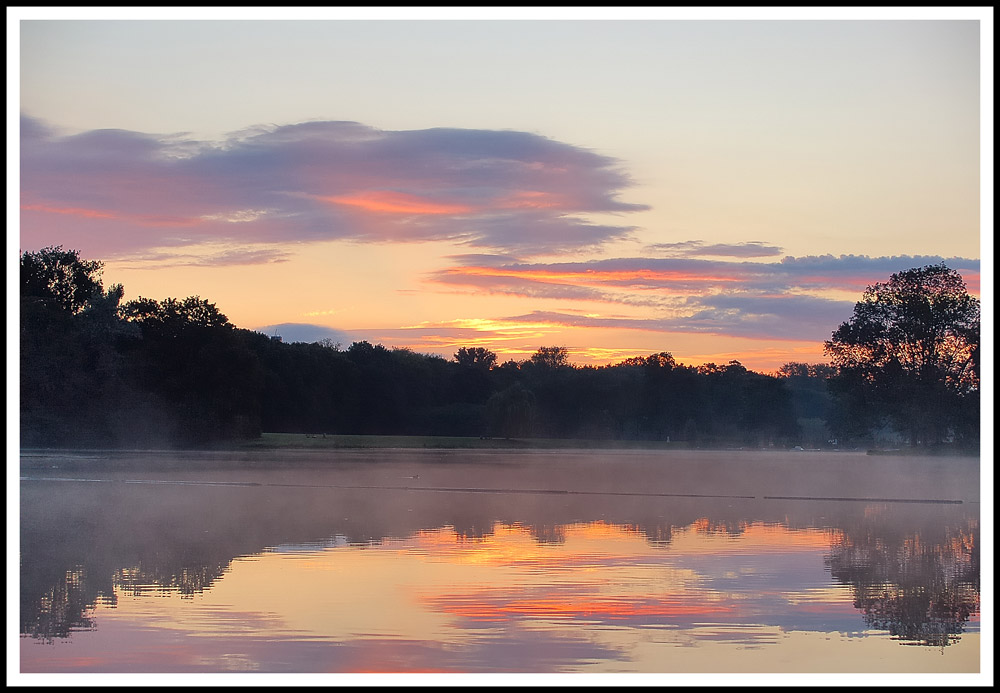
{"type": "Point", "coordinates": [619, 184]}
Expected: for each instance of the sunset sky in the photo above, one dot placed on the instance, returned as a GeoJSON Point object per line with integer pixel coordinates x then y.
{"type": "Point", "coordinates": [641, 182]}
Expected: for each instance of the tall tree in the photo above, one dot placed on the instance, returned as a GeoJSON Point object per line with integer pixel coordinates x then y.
{"type": "Point", "coordinates": [171, 315]}
{"type": "Point", "coordinates": [60, 278]}
{"type": "Point", "coordinates": [471, 381]}
{"type": "Point", "coordinates": [909, 357]}
{"type": "Point", "coordinates": [476, 357]}
{"type": "Point", "coordinates": [70, 370]}
{"type": "Point", "coordinates": [203, 378]}
{"type": "Point", "coordinates": [511, 411]}
{"type": "Point", "coordinates": [551, 357]}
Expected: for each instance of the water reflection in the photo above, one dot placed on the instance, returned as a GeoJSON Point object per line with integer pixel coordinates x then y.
{"type": "Point", "coordinates": [921, 587]}
{"type": "Point", "coordinates": [60, 609]}
{"type": "Point", "coordinates": [269, 574]}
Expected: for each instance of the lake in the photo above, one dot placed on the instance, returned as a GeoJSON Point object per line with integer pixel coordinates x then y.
{"type": "Point", "coordinates": [406, 561]}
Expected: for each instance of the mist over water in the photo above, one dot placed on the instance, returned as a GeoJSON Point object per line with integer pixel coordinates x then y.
{"type": "Point", "coordinates": [593, 552]}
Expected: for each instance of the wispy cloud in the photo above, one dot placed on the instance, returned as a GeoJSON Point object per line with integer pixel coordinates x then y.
{"type": "Point", "coordinates": [701, 249]}
{"type": "Point", "coordinates": [677, 276]}
{"type": "Point", "coordinates": [210, 257]}
{"type": "Point", "coordinates": [796, 318]}
{"type": "Point", "coordinates": [115, 192]}
{"type": "Point", "coordinates": [795, 298]}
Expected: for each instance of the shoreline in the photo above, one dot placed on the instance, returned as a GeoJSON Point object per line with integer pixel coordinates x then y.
{"type": "Point", "coordinates": [304, 442]}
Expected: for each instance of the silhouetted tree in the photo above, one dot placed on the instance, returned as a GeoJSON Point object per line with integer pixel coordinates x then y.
{"type": "Point", "coordinates": [511, 411]}
{"type": "Point", "coordinates": [909, 357]}
{"type": "Point", "coordinates": [170, 316]}
{"type": "Point", "coordinates": [364, 352]}
{"type": "Point", "coordinates": [60, 278]}
{"type": "Point", "coordinates": [471, 380]}
{"type": "Point", "coordinates": [196, 370]}
{"type": "Point", "coordinates": [551, 357]}
{"type": "Point", "coordinates": [307, 388]}
{"type": "Point", "coordinates": [810, 399]}
{"type": "Point", "coordinates": [70, 369]}
{"type": "Point", "coordinates": [177, 372]}
{"type": "Point", "coordinates": [476, 357]}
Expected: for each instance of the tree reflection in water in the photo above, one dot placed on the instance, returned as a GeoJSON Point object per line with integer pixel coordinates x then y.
{"type": "Point", "coordinates": [921, 589]}
{"type": "Point", "coordinates": [913, 569]}
{"type": "Point", "coordinates": [186, 582]}
{"type": "Point", "coordinates": [60, 609]}
{"type": "Point", "coordinates": [67, 606]}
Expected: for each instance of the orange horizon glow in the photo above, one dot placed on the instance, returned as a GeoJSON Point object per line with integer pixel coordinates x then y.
{"type": "Point", "coordinates": [604, 356]}
{"type": "Point", "coordinates": [502, 337]}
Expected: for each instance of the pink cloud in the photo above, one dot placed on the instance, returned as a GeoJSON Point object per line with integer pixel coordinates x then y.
{"type": "Point", "coordinates": [391, 202]}
{"type": "Point", "coordinates": [497, 190]}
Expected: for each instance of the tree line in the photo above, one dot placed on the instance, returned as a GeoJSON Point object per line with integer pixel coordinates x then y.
{"type": "Point", "coordinates": [99, 372]}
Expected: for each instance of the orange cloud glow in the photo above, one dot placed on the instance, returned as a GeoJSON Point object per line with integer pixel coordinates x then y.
{"type": "Point", "coordinates": [73, 211]}
{"type": "Point", "coordinates": [531, 199]}
{"type": "Point", "coordinates": [590, 275]}
{"type": "Point", "coordinates": [389, 202]}
{"type": "Point", "coordinates": [142, 219]}
{"type": "Point", "coordinates": [487, 325]}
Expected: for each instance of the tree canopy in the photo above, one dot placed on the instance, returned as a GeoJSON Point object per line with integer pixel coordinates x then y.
{"type": "Point", "coordinates": [551, 357]}
{"type": "Point", "coordinates": [172, 315]}
{"type": "Point", "coordinates": [909, 357]}
{"type": "Point", "coordinates": [476, 357]}
{"type": "Point", "coordinates": [60, 278]}
{"type": "Point", "coordinates": [176, 372]}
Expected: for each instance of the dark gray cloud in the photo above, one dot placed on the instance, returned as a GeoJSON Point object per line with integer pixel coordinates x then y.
{"type": "Point", "coordinates": [125, 192]}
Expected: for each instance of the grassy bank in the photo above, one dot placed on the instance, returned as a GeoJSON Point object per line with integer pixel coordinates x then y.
{"type": "Point", "coordinates": [274, 441]}
{"type": "Point", "coordinates": [300, 441]}
{"type": "Point", "coordinates": [921, 451]}
{"type": "Point", "coordinates": [321, 442]}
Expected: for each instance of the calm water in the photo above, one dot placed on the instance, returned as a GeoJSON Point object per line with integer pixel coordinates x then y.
{"type": "Point", "coordinates": [495, 562]}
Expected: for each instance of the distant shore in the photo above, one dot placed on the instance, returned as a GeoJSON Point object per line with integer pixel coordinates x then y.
{"type": "Point", "coordinates": [324, 442]}
{"type": "Point", "coordinates": [321, 441]}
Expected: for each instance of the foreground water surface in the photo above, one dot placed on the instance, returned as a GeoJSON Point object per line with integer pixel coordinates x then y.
{"type": "Point", "coordinates": [450, 561]}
